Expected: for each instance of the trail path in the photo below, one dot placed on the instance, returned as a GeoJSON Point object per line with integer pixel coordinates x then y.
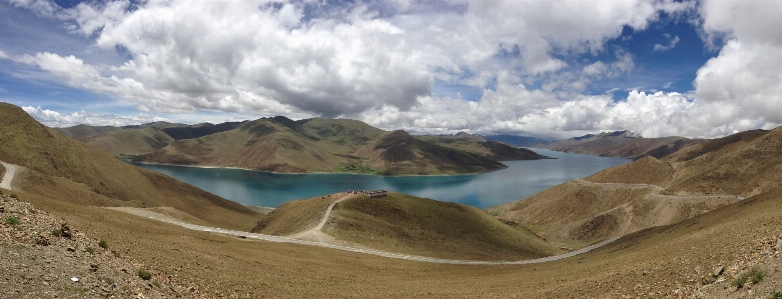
{"type": "Point", "coordinates": [164, 218]}
{"type": "Point", "coordinates": [656, 188]}
{"type": "Point", "coordinates": [317, 231]}
{"type": "Point", "coordinates": [10, 170]}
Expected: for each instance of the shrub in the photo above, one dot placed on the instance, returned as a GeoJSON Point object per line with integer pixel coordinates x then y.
{"type": "Point", "coordinates": [56, 232]}
{"type": "Point", "coordinates": [14, 196]}
{"type": "Point", "coordinates": [776, 295]}
{"type": "Point", "coordinates": [753, 276]}
{"type": "Point", "coordinates": [90, 250]}
{"type": "Point", "coordinates": [12, 221]}
{"type": "Point", "coordinates": [103, 244]}
{"type": "Point", "coordinates": [144, 274]}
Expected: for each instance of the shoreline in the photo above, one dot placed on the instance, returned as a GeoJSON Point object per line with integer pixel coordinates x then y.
{"type": "Point", "coordinates": [319, 172]}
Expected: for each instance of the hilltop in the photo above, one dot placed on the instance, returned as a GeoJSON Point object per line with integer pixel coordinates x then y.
{"type": "Point", "coordinates": [622, 144]}
{"type": "Point", "coordinates": [411, 225]}
{"type": "Point", "coordinates": [319, 145]}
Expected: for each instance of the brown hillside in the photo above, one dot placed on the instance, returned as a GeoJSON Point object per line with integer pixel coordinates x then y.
{"type": "Point", "coordinates": [420, 226]}
{"type": "Point", "coordinates": [130, 141]}
{"type": "Point", "coordinates": [695, 179]}
{"type": "Point", "coordinates": [647, 170]}
{"type": "Point", "coordinates": [619, 144]}
{"type": "Point", "coordinates": [55, 161]}
{"type": "Point", "coordinates": [294, 216]}
{"type": "Point", "coordinates": [83, 131]}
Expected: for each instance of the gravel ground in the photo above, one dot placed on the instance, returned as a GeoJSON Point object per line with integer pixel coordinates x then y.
{"type": "Point", "coordinates": [36, 263]}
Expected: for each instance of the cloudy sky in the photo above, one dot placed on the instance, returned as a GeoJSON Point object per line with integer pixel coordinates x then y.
{"type": "Point", "coordinates": [544, 68]}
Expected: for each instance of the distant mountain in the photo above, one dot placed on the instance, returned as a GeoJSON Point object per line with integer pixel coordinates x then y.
{"type": "Point", "coordinates": [142, 139]}
{"type": "Point", "coordinates": [520, 141]}
{"type": "Point", "coordinates": [82, 131]}
{"type": "Point", "coordinates": [335, 145]}
{"type": "Point", "coordinates": [623, 144]}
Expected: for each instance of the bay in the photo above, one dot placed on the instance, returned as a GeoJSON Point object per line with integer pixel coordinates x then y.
{"type": "Point", "coordinates": [520, 180]}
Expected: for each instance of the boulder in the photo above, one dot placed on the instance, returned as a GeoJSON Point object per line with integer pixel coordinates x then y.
{"type": "Point", "coordinates": [718, 271]}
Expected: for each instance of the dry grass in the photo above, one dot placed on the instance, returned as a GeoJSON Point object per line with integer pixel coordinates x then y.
{"type": "Point", "coordinates": [295, 216]}
{"type": "Point", "coordinates": [420, 226]}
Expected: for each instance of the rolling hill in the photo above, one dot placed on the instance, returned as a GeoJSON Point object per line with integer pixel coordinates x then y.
{"type": "Point", "coordinates": [410, 225]}
{"type": "Point", "coordinates": [622, 144]}
{"type": "Point", "coordinates": [64, 167]}
{"type": "Point", "coordinates": [283, 145]}
{"type": "Point", "coordinates": [651, 192]}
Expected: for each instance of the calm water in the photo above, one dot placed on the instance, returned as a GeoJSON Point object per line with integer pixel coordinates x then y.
{"type": "Point", "coordinates": [520, 180]}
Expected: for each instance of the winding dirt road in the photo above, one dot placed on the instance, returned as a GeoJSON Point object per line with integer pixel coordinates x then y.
{"type": "Point", "coordinates": [10, 170]}
{"type": "Point", "coordinates": [167, 219]}
{"type": "Point", "coordinates": [317, 231]}
{"type": "Point", "coordinates": [657, 190]}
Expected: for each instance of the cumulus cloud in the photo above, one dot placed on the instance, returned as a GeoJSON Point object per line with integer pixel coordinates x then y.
{"type": "Point", "coordinates": [56, 119]}
{"type": "Point", "coordinates": [378, 61]}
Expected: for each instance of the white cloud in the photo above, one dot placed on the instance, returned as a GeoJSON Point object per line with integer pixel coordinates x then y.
{"type": "Point", "coordinates": [378, 61]}
{"type": "Point", "coordinates": [56, 119]}
{"type": "Point", "coordinates": [671, 44]}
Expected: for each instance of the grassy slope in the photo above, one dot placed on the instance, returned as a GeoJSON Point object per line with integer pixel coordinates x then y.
{"type": "Point", "coordinates": [83, 131]}
{"type": "Point", "coordinates": [130, 141]}
{"type": "Point", "coordinates": [294, 216]}
{"type": "Point", "coordinates": [216, 263]}
{"type": "Point", "coordinates": [57, 162]}
{"type": "Point", "coordinates": [743, 164]}
{"type": "Point", "coordinates": [407, 224]}
{"type": "Point", "coordinates": [617, 145]}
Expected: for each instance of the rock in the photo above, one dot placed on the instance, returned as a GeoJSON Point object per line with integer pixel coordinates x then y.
{"type": "Point", "coordinates": [718, 271]}
{"type": "Point", "coordinates": [71, 249]}
{"type": "Point", "coordinates": [75, 279]}
{"type": "Point", "coordinates": [698, 270]}
{"type": "Point", "coordinates": [645, 272]}
{"type": "Point", "coordinates": [42, 241]}
{"type": "Point", "coordinates": [93, 267]}
{"type": "Point", "coordinates": [779, 245]}
{"type": "Point", "coordinates": [65, 231]}
{"type": "Point", "coordinates": [707, 280]}
{"type": "Point", "coordinates": [2, 209]}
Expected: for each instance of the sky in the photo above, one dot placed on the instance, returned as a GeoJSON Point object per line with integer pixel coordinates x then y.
{"type": "Point", "coordinates": [543, 68]}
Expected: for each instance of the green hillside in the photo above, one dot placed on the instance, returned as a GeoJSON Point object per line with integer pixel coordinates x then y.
{"type": "Point", "coordinates": [340, 145]}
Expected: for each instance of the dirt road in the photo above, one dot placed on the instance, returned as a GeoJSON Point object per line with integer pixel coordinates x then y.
{"type": "Point", "coordinates": [10, 170]}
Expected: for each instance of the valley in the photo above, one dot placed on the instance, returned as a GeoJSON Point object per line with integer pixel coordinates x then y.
{"type": "Point", "coordinates": [91, 191]}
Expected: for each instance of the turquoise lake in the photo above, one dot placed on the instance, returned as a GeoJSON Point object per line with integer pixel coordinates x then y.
{"type": "Point", "coordinates": [520, 180]}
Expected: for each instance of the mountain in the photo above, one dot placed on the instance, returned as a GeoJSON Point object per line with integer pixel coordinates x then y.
{"type": "Point", "coordinates": [141, 139]}
{"type": "Point", "coordinates": [410, 225]}
{"type": "Point", "coordinates": [65, 168]}
{"type": "Point", "coordinates": [283, 145]}
{"type": "Point", "coordinates": [82, 131]}
{"type": "Point", "coordinates": [519, 141]}
{"type": "Point", "coordinates": [648, 192]}
{"type": "Point", "coordinates": [623, 144]}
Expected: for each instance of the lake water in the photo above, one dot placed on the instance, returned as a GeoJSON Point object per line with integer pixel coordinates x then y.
{"type": "Point", "coordinates": [520, 180]}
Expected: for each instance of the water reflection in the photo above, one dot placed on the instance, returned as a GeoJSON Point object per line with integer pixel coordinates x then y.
{"type": "Point", "coordinates": [520, 180]}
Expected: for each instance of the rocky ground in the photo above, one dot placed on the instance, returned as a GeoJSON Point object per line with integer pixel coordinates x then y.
{"type": "Point", "coordinates": [42, 257]}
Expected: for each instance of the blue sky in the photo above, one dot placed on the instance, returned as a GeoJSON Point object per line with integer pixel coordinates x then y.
{"type": "Point", "coordinates": [551, 69]}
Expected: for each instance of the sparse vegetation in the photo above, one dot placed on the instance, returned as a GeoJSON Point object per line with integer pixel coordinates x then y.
{"type": "Point", "coordinates": [56, 232]}
{"type": "Point", "coordinates": [144, 274]}
{"type": "Point", "coordinates": [776, 295]}
{"type": "Point", "coordinates": [14, 196]}
{"type": "Point", "coordinates": [103, 244]}
{"type": "Point", "coordinates": [12, 221]}
{"type": "Point", "coordinates": [753, 276]}
{"type": "Point", "coordinates": [90, 250]}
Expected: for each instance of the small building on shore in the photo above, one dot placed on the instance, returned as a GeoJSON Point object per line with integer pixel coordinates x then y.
{"type": "Point", "coordinates": [375, 193]}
